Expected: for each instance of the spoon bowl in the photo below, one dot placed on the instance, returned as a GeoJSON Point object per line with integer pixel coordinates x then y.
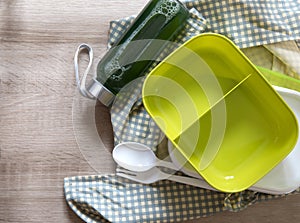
{"type": "Point", "coordinates": [138, 157]}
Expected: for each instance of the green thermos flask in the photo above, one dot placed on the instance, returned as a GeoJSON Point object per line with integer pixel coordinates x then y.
{"type": "Point", "coordinates": [138, 48]}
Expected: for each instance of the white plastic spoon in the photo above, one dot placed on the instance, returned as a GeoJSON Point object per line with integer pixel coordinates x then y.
{"type": "Point", "coordinates": [138, 157]}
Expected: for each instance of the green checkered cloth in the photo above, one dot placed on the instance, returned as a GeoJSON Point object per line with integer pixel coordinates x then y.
{"type": "Point", "coordinates": [109, 198]}
{"type": "Point", "coordinates": [251, 22]}
{"type": "Point", "coordinates": [246, 22]}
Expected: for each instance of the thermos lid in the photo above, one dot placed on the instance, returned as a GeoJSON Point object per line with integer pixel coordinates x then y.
{"type": "Point", "coordinates": [100, 92]}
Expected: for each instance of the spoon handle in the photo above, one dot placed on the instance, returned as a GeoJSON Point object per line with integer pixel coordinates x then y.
{"type": "Point", "coordinates": [169, 165]}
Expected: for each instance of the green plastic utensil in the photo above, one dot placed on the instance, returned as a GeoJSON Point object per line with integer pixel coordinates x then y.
{"type": "Point", "coordinates": [219, 111]}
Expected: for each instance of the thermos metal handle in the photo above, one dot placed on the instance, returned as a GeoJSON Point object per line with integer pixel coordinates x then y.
{"type": "Point", "coordinates": [81, 83]}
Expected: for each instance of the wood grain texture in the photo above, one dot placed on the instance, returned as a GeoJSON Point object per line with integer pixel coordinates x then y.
{"type": "Point", "coordinates": [38, 146]}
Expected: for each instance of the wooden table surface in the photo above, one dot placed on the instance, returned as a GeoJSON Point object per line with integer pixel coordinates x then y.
{"type": "Point", "coordinates": [38, 146]}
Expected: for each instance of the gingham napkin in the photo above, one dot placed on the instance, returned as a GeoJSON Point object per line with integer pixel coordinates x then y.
{"type": "Point", "coordinates": [251, 22]}
{"type": "Point", "coordinates": [246, 22]}
{"type": "Point", "coordinates": [109, 198]}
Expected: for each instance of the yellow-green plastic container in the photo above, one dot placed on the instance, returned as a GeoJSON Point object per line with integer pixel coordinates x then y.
{"type": "Point", "coordinates": [220, 113]}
